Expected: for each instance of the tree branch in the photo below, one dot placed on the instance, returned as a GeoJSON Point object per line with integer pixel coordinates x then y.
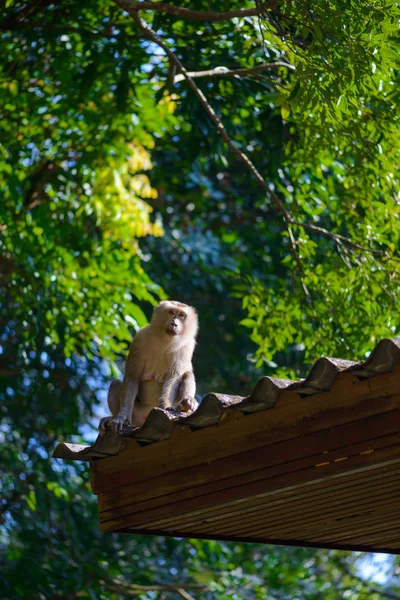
{"type": "Point", "coordinates": [62, 28]}
{"type": "Point", "coordinates": [26, 12]}
{"type": "Point", "coordinates": [298, 262]}
{"type": "Point", "coordinates": [223, 71]}
{"type": "Point", "coordinates": [337, 237]}
{"type": "Point", "coordinates": [134, 589]}
{"type": "Point", "coordinates": [185, 594]}
{"type": "Point", "coordinates": [186, 13]}
{"type": "Point", "coordinates": [151, 35]}
{"type": "Point", "coordinates": [384, 592]}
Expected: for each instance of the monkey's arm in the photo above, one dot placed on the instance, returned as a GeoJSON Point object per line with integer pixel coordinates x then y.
{"type": "Point", "coordinates": [129, 391]}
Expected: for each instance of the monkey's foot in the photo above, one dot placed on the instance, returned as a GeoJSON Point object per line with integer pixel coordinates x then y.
{"type": "Point", "coordinates": [114, 424]}
{"type": "Point", "coordinates": [103, 425]}
{"type": "Point", "coordinates": [187, 405]}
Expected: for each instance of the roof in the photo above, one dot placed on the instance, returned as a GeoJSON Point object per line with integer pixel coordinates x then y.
{"type": "Point", "coordinates": [162, 424]}
{"type": "Point", "coordinates": [308, 463]}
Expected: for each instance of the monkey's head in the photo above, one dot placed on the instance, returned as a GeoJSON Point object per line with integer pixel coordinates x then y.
{"type": "Point", "coordinates": [175, 319]}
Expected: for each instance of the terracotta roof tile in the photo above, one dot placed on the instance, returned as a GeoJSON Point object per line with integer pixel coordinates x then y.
{"type": "Point", "coordinates": [161, 423]}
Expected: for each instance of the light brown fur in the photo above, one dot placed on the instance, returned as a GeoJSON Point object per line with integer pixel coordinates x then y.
{"type": "Point", "coordinates": [158, 370]}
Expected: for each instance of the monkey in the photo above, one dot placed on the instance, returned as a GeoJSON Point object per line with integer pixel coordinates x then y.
{"type": "Point", "coordinates": [158, 370]}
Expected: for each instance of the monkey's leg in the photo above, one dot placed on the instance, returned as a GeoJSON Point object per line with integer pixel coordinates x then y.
{"type": "Point", "coordinates": [113, 404]}
{"type": "Point", "coordinates": [185, 400]}
{"type": "Point", "coordinates": [113, 397]}
{"type": "Point", "coordinates": [169, 392]}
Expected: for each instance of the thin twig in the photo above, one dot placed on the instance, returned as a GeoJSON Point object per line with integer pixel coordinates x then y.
{"type": "Point", "coordinates": [336, 237]}
{"type": "Point", "coordinates": [185, 594]}
{"type": "Point", "coordinates": [186, 13]}
{"type": "Point", "coordinates": [134, 589]}
{"type": "Point", "coordinates": [298, 262]}
{"type": "Point", "coordinates": [223, 71]}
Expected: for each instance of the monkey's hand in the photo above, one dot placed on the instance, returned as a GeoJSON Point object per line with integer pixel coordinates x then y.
{"type": "Point", "coordinates": [187, 405]}
{"type": "Point", "coordinates": [114, 424]}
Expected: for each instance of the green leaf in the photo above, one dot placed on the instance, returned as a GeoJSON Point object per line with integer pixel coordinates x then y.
{"type": "Point", "coordinates": [248, 323]}
{"type": "Point", "coordinates": [31, 500]}
{"type": "Point", "coordinates": [285, 111]}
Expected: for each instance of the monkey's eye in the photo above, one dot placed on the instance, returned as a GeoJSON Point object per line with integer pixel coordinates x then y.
{"type": "Point", "coordinates": [182, 317]}
{"type": "Point", "coordinates": [171, 312]}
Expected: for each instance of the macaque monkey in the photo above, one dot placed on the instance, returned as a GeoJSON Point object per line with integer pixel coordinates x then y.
{"type": "Point", "coordinates": [158, 371]}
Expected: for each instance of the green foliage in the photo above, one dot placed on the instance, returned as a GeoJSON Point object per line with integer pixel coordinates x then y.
{"type": "Point", "coordinates": [74, 193]}
{"type": "Point", "coordinates": [341, 178]}
{"type": "Point", "coordinates": [341, 49]}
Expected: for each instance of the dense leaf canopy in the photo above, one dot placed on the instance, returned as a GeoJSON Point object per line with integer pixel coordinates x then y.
{"type": "Point", "coordinates": [242, 158]}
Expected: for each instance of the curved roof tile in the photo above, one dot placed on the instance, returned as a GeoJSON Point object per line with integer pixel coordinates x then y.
{"type": "Point", "coordinates": [161, 423]}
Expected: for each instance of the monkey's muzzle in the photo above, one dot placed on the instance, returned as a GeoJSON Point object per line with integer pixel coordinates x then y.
{"type": "Point", "coordinates": [172, 328]}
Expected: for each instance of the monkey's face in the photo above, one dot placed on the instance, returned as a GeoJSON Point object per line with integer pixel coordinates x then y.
{"type": "Point", "coordinates": [175, 324]}
{"type": "Point", "coordinates": [176, 319]}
